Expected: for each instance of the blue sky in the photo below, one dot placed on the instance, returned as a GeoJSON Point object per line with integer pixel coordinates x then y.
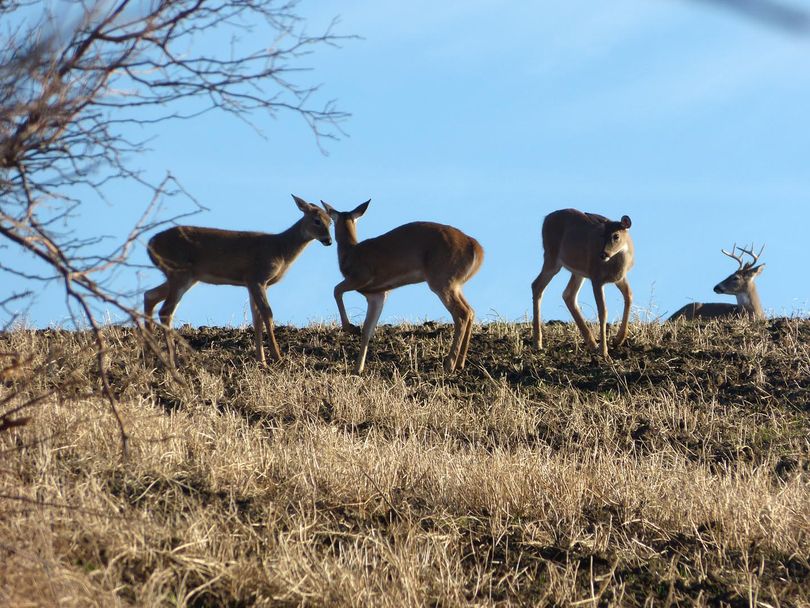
{"type": "Point", "coordinates": [488, 115]}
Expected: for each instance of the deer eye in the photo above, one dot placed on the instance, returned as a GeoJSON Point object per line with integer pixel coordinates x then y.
{"type": "Point", "coordinates": [317, 221]}
{"type": "Point", "coordinates": [615, 236]}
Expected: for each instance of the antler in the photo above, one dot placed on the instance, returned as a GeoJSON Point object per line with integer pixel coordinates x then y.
{"type": "Point", "coordinates": [734, 257]}
{"type": "Point", "coordinates": [751, 253]}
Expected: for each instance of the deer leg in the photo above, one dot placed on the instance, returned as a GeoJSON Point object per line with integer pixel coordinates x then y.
{"type": "Point", "coordinates": [627, 294]}
{"type": "Point", "coordinates": [176, 289]}
{"type": "Point", "coordinates": [601, 309]}
{"type": "Point", "coordinates": [266, 313]}
{"type": "Point", "coordinates": [462, 315]}
{"type": "Point", "coordinates": [465, 344]}
{"type": "Point", "coordinates": [538, 287]}
{"type": "Point", "coordinates": [152, 298]}
{"type": "Point", "coordinates": [257, 329]}
{"type": "Point", "coordinates": [345, 324]}
{"type": "Point", "coordinates": [570, 298]}
{"type": "Point", "coordinates": [376, 301]}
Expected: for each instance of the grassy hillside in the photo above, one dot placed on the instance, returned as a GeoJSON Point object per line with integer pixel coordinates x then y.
{"type": "Point", "coordinates": [678, 474]}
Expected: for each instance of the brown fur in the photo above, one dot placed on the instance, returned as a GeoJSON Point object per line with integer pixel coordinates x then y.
{"type": "Point", "coordinates": [580, 242]}
{"type": "Point", "coordinates": [440, 255]}
{"type": "Point", "coordinates": [740, 284]}
{"type": "Point", "coordinates": [191, 254]}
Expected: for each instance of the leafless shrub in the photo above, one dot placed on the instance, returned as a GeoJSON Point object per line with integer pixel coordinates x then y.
{"type": "Point", "coordinates": [76, 89]}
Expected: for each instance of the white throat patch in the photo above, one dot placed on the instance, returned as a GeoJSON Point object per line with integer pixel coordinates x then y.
{"type": "Point", "coordinates": [622, 249]}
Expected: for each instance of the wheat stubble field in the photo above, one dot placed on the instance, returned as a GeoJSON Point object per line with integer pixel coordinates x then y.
{"type": "Point", "coordinates": [679, 474]}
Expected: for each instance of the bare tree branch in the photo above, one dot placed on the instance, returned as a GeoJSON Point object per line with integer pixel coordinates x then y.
{"type": "Point", "coordinates": [75, 89]}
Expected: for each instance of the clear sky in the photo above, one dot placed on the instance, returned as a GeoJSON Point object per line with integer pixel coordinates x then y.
{"type": "Point", "coordinates": [487, 115]}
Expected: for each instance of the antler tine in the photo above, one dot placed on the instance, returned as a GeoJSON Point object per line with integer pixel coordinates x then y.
{"type": "Point", "coordinates": [732, 256]}
{"type": "Point", "coordinates": [754, 258]}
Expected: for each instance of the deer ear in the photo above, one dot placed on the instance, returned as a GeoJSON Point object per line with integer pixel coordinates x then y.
{"type": "Point", "coordinates": [360, 210]}
{"type": "Point", "coordinates": [755, 271]}
{"type": "Point", "coordinates": [330, 210]}
{"type": "Point", "coordinates": [302, 204]}
{"type": "Point", "coordinates": [626, 223]}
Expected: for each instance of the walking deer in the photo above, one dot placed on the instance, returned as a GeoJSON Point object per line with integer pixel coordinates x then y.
{"type": "Point", "coordinates": [739, 283]}
{"type": "Point", "coordinates": [255, 260]}
{"type": "Point", "coordinates": [591, 247]}
{"type": "Point", "coordinates": [442, 256]}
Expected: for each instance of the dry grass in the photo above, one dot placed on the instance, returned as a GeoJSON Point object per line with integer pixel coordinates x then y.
{"type": "Point", "coordinates": [677, 475]}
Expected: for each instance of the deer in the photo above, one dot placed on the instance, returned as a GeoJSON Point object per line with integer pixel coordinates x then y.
{"type": "Point", "coordinates": [255, 260]}
{"type": "Point", "coordinates": [739, 283]}
{"type": "Point", "coordinates": [591, 247]}
{"type": "Point", "coordinates": [442, 256]}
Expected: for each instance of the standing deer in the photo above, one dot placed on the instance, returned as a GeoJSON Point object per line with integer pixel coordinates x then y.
{"type": "Point", "coordinates": [591, 247]}
{"type": "Point", "coordinates": [442, 256]}
{"type": "Point", "coordinates": [188, 254]}
{"type": "Point", "coordinates": [739, 283]}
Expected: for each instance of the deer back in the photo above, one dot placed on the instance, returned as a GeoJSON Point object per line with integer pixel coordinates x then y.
{"type": "Point", "coordinates": [217, 256]}
{"type": "Point", "coordinates": [701, 310]}
{"type": "Point", "coordinates": [411, 253]}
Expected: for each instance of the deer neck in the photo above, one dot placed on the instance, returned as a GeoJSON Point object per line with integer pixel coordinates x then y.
{"type": "Point", "coordinates": [345, 233]}
{"type": "Point", "coordinates": [346, 238]}
{"type": "Point", "coordinates": [293, 240]}
{"type": "Point", "coordinates": [749, 302]}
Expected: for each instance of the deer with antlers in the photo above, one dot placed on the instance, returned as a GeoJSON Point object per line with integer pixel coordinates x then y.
{"type": "Point", "coordinates": [255, 260]}
{"type": "Point", "coordinates": [592, 247]}
{"type": "Point", "coordinates": [739, 283]}
{"type": "Point", "coordinates": [442, 256]}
